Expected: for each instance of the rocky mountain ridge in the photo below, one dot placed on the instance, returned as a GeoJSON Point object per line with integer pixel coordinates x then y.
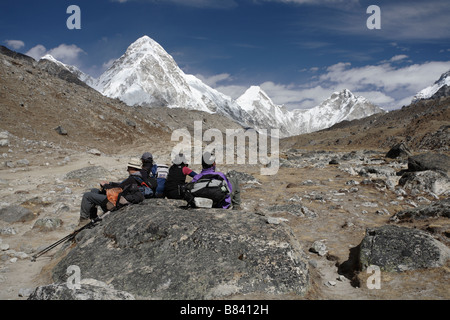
{"type": "Point", "coordinates": [147, 75]}
{"type": "Point", "coordinates": [442, 83]}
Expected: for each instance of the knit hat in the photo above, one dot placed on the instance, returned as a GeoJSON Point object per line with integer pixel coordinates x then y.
{"type": "Point", "coordinates": [208, 160]}
{"type": "Point", "coordinates": [147, 156]}
{"type": "Point", "coordinates": [179, 159]}
{"type": "Point", "coordinates": [135, 163]}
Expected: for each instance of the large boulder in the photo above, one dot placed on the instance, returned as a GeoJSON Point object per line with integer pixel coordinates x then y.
{"type": "Point", "coordinates": [399, 150]}
{"type": "Point", "coordinates": [436, 182]}
{"type": "Point", "coordinates": [394, 248]}
{"type": "Point", "coordinates": [16, 213]}
{"type": "Point", "coordinates": [429, 161]}
{"type": "Point", "coordinates": [159, 250]}
{"type": "Point", "coordinates": [437, 209]}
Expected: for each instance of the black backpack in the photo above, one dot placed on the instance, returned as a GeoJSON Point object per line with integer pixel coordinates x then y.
{"type": "Point", "coordinates": [211, 186]}
{"type": "Point", "coordinates": [132, 194]}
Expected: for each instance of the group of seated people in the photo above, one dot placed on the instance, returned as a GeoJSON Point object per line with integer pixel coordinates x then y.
{"type": "Point", "coordinates": [162, 182]}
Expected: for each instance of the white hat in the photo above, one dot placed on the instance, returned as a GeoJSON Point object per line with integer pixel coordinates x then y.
{"type": "Point", "coordinates": [135, 163]}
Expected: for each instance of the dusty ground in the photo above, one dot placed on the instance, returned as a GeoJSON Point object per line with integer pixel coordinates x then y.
{"type": "Point", "coordinates": [341, 223]}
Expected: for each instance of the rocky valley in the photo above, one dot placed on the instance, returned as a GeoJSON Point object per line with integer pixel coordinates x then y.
{"type": "Point", "coordinates": [356, 211]}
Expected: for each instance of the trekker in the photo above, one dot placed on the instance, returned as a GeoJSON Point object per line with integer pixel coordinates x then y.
{"type": "Point", "coordinates": [98, 197]}
{"type": "Point", "coordinates": [156, 174]}
{"type": "Point", "coordinates": [235, 192]}
{"type": "Point", "coordinates": [209, 168]}
{"type": "Point", "coordinates": [177, 177]}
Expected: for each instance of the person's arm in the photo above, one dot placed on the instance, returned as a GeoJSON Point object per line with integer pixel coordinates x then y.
{"type": "Point", "coordinates": [188, 172]}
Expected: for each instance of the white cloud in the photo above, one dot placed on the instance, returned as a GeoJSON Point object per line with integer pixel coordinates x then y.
{"type": "Point", "coordinates": [15, 44]}
{"type": "Point", "coordinates": [398, 57]}
{"type": "Point", "coordinates": [233, 91]}
{"type": "Point", "coordinates": [213, 81]}
{"type": "Point", "coordinates": [386, 77]}
{"type": "Point", "coordinates": [68, 54]}
{"type": "Point", "coordinates": [37, 52]}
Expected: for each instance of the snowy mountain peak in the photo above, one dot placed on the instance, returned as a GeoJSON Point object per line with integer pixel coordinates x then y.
{"type": "Point", "coordinates": [147, 75]}
{"type": "Point", "coordinates": [145, 42]}
{"type": "Point", "coordinates": [87, 79]}
{"type": "Point", "coordinates": [252, 97]}
{"type": "Point", "coordinates": [341, 99]}
{"type": "Point", "coordinates": [52, 59]}
{"type": "Point", "coordinates": [431, 90]}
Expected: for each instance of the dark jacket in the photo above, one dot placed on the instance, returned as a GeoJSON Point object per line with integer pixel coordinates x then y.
{"type": "Point", "coordinates": [175, 179]}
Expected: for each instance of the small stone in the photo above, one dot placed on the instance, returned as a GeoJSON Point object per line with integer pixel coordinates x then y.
{"type": "Point", "coordinates": [319, 248]}
{"type": "Point", "coordinates": [25, 292]}
{"type": "Point", "coordinates": [331, 283]}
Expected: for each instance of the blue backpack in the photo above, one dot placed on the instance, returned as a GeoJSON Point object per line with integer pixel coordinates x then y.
{"type": "Point", "coordinates": [144, 187]}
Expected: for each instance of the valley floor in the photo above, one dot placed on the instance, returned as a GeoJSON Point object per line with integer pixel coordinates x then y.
{"type": "Point", "coordinates": [338, 205]}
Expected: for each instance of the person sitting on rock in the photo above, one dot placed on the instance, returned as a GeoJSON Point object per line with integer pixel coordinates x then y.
{"type": "Point", "coordinates": [177, 177]}
{"type": "Point", "coordinates": [98, 197]}
{"type": "Point", "coordinates": [156, 174]}
{"type": "Point", "coordinates": [209, 169]}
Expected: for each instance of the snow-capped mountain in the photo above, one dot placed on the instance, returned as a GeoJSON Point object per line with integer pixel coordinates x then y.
{"type": "Point", "coordinates": [147, 75]}
{"type": "Point", "coordinates": [339, 107]}
{"type": "Point", "coordinates": [428, 92]}
{"type": "Point", "coordinates": [90, 81]}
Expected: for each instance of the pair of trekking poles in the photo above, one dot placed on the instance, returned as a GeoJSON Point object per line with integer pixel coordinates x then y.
{"type": "Point", "coordinates": [71, 236]}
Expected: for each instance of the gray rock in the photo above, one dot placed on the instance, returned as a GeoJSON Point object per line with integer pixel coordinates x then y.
{"type": "Point", "coordinates": [429, 161]}
{"type": "Point", "coordinates": [436, 182]}
{"type": "Point", "coordinates": [435, 210]}
{"type": "Point", "coordinates": [60, 130]}
{"type": "Point", "coordinates": [242, 177]}
{"type": "Point", "coordinates": [399, 150]}
{"type": "Point", "coordinates": [394, 248]}
{"type": "Point", "coordinates": [94, 152]}
{"type": "Point", "coordinates": [87, 291]}
{"type": "Point", "coordinates": [88, 173]}
{"type": "Point", "coordinates": [158, 250]}
{"type": "Point", "coordinates": [47, 224]}
{"type": "Point", "coordinates": [293, 208]}
{"type": "Point", "coordinates": [319, 247]}
{"type": "Point", "coordinates": [15, 213]}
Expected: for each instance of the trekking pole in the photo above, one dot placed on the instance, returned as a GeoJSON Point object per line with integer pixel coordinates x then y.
{"type": "Point", "coordinates": [66, 238]}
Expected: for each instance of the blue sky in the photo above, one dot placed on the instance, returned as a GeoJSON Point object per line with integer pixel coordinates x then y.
{"type": "Point", "coordinates": [298, 51]}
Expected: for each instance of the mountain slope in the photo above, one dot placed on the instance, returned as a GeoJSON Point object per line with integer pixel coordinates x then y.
{"type": "Point", "coordinates": [339, 107]}
{"type": "Point", "coordinates": [146, 75]}
{"type": "Point", "coordinates": [428, 92]}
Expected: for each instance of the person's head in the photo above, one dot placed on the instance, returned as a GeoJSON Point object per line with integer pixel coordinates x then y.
{"type": "Point", "coordinates": [208, 160]}
{"type": "Point", "coordinates": [147, 160]}
{"type": "Point", "coordinates": [180, 159]}
{"type": "Point", "coordinates": [147, 157]}
{"type": "Point", "coordinates": [134, 165]}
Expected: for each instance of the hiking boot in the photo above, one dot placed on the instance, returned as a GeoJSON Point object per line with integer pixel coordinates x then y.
{"type": "Point", "coordinates": [237, 207]}
{"type": "Point", "coordinates": [83, 221]}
